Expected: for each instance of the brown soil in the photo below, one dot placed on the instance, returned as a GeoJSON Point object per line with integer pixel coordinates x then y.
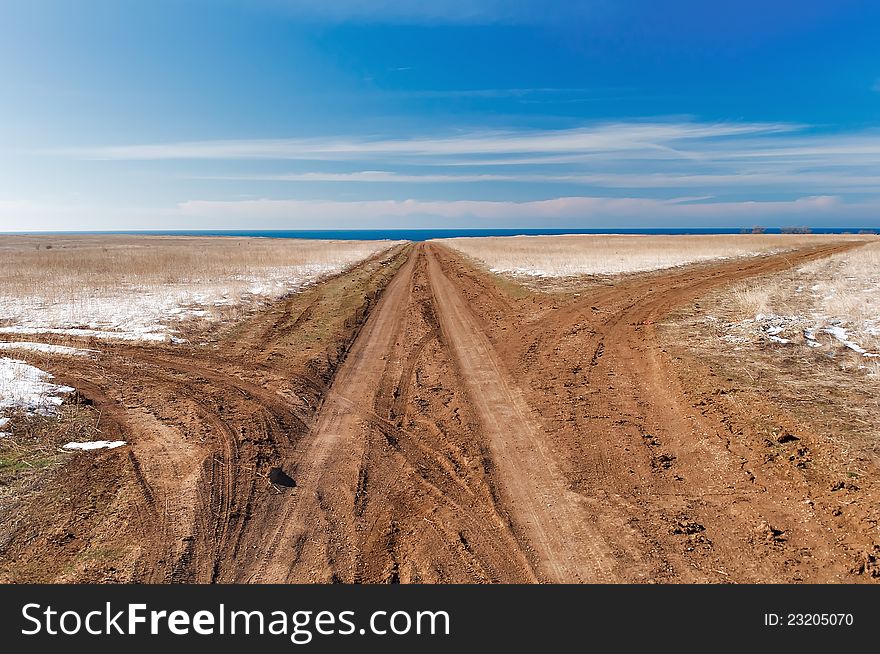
{"type": "Point", "coordinates": [439, 424]}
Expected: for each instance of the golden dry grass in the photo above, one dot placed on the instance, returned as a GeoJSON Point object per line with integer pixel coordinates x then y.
{"type": "Point", "coordinates": [609, 254]}
{"type": "Point", "coordinates": [28, 263]}
{"type": "Point", "coordinates": [124, 282]}
{"type": "Point", "coordinates": [840, 291]}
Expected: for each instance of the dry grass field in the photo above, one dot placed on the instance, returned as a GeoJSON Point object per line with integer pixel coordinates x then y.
{"type": "Point", "coordinates": [610, 254]}
{"type": "Point", "coordinates": [831, 305]}
{"type": "Point", "coordinates": [142, 287]}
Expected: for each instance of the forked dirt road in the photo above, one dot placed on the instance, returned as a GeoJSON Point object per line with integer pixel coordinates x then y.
{"type": "Point", "coordinates": [445, 429]}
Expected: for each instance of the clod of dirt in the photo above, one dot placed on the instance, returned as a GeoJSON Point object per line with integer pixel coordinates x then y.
{"type": "Point", "coordinates": [663, 461]}
{"type": "Point", "coordinates": [771, 534]}
{"type": "Point", "coordinates": [61, 537]}
{"type": "Point", "coordinates": [78, 398]}
{"type": "Point", "coordinates": [786, 437]}
{"type": "Point", "coordinates": [693, 533]}
{"type": "Point", "coordinates": [280, 478]}
{"type": "Point", "coordinates": [801, 457]}
{"type": "Point", "coordinates": [687, 527]}
{"type": "Point", "coordinates": [870, 564]}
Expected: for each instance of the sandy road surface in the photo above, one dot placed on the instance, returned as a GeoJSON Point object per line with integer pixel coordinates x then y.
{"type": "Point", "coordinates": [317, 525]}
{"type": "Point", "coordinates": [444, 430]}
{"type": "Point", "coordinates": [551, 517]}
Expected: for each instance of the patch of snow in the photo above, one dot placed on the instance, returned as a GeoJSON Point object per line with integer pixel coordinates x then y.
{"type": "Point", "coordinates": [837, 332]}
{"type": "Point", "coordinates": [94, 445]}
{"type": "Point", "coordinates": [46, 348]}
{"type": "Point", "coordinates": [23, 386]}
{"type": "Point", "coordinates": [777, 339]}
{"type": "Point", "coordinates": [841, 335]}
{"type": "Point", "coordinates": [810, 337]}
{"type": "Point", "coordinates": [523, 272]}
{"type": "Point", "coordinates": [774, 331]}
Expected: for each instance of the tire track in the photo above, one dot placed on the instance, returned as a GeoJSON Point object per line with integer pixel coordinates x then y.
{"type": "Point", "coordinates": [548, 514]}
{"type": "Point", "coordinates": [327, 471]}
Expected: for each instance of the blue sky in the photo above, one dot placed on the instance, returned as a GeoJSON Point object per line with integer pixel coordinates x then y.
{"type": "Point", "coordinates": [286, 114]}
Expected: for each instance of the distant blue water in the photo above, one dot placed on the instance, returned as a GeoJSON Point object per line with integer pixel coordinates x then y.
{"type": "Point", "coordinates": [425, 234]}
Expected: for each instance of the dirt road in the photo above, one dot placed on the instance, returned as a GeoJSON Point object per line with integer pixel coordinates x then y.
{"type": "Point", "coordinates": [439, 428]}
{"type": "Point", "coordinates": [317, 523]}
{"type": "Point", "coordinates": [550, 516]}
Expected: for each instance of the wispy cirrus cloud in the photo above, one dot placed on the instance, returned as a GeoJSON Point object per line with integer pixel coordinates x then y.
{"type": "Point", "coordinates": [584, 209]}
{"type": "Point", "coordinates": [655, 137]}
{"type": "Point", "coordinates": [828, 179]}
{"type": "Point", "coordinates": [733, 159]}
{"type": "Point", "coordinates": [561, 212]}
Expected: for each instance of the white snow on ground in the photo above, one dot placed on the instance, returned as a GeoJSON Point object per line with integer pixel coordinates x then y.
{"type": "Point", "coordinates": [94, 445]}
{"type": "Point", "coordinates": [613, 267]}
{"type": "Point", "coordinates": [152, 313]}
{"type": "Point", "coordinates": [23, 386]}
{"type": "Point", "coordinates": [524, 272]}
{"type": "Point", "coordinates": [3, 423]}
{"type": "Point", "coordinates": [785, 329]}
{"type": "Point", "coordinates": [841, 335]}
{"type": "Point", "coordinates": [810, 336]}
{"type": "Point", "coordinates": [46, 348]}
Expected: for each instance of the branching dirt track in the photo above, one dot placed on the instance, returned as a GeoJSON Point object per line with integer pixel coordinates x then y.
{"type": "Point", "coordinates": [439, 429]}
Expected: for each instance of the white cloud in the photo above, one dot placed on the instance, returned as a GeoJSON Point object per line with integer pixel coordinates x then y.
{"type": "Point", "coordinates": [837, 180]}
{"type": "Point", "coordinates": [578, 211]}
{"type": "Point", "coordinates": [587, 209]}
{"type": "Point", "coordinates": [660, 139]}
{"type": "Point", "coordinates": [791, 170]}
{"type": "Point", "coordinates": [722, 157]}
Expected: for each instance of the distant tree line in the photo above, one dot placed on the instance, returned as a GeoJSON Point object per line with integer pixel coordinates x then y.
{"type": "Point", "coordinates": [760, 229]}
